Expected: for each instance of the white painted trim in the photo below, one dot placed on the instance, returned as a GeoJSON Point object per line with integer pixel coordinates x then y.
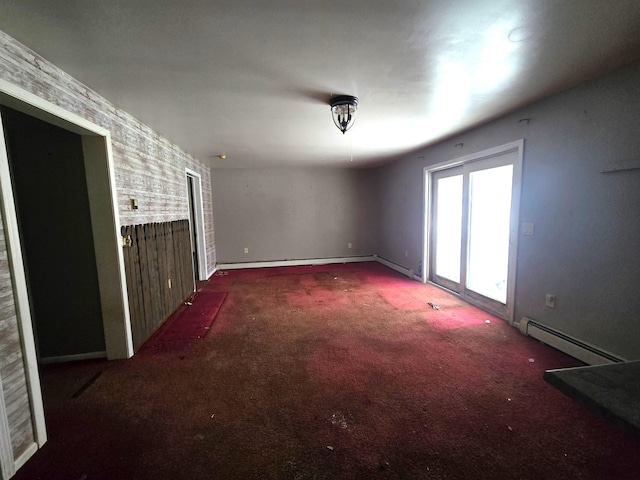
{"type": "Point", "coordinates": [15, 97]}
{"type": "Point", "coordinates": [199, 225]}
{"type": "Point", "coordinates": [426, 225]}
{"type": "Point", "coordinates": [583, 351]}
{"type": "Point", "coordinates": [489, 152]}
{"type": "Point", "coordinates": [295, 263]}
{"type": "Point", "coordinates": [21, 296]}
{"type": "Point", "coordinates": [209, 274]}
{"type": "Point", "coordinates": [73, 358]}
{"type": "Point", "coordinates": [112, 281]}
{"type": "Point", "coordinates": [28, 453]}
{"type": "Point", "coordinates": [518, 147]}
{"type": "Point", "coordinates": [123, 297]}
{"type": "Point", "coordinates": [516, 192]}
{"type": "Point", "coordinates": [320, 261]}
{"type": "Point", "coordinates": [7, 467]}
{"type": "Point", "coordinates": [105, 224]}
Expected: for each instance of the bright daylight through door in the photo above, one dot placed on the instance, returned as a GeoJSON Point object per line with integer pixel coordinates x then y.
{"type": "Point", "coordinates": [473, 228]}
{"type": "Point", "coordinates": [488, 237]}
{"type": "Point", "coordinates": [448, 227]}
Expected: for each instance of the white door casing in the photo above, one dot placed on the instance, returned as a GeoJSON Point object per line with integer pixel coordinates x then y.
{"type": "Point", "coordinates": [100, 176]}
{"type": "Point", "coordinates": [488, 157]}
{"type": "Point", "coordinates": [198, 222]}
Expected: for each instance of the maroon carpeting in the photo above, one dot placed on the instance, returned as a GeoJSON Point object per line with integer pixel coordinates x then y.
{"type": "Point", "coordinates": [191, 320]}
{"type": "Point", "coordinates": [329, 372]}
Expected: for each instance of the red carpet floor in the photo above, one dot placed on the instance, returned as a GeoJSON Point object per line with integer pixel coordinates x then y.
{"type": "Point", "coordinates": [193, 319]}
{"type": "Point", "coordinates": [331, 372]}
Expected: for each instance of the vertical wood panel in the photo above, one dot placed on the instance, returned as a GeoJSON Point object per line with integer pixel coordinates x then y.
{"type": "Point", "coordinates": [158, 252]}
{"type": "Point", "coordinates": [180, 266]}
{"type": "Point", "coordinates": [171, 265]}
{"type": "Point", "coordinates": [187, 255]}
{"type": "Point", "coordinates": [163, 268]}
{"type": "Point", "coordinates": [143, 266]}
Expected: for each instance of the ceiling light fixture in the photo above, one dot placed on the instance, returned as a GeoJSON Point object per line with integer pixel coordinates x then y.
{"type": "Point", "coordinates": [343, 109]}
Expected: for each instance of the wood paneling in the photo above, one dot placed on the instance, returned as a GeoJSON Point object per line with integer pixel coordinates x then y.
{"type": "Point", "coordinates": [159, 272]}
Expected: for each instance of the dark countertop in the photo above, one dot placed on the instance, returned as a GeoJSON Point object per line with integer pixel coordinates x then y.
{"type": "Point", "coordinates": [613, 390]}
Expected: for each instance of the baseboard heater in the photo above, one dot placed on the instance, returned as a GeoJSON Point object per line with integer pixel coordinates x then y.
{"type": "Point", "coordinates": [567, 344]}
{"type": "Point", "coordinates": [295, 263]}
{"type": "Point", "coordinates": [398, 268]}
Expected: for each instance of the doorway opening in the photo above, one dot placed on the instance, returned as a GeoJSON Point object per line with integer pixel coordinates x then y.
{"type": "Point", "coordinates": [54, 221]}
{"type": "Point", "coordinates": [196, 225]}
{"type": "Point", "coordinates": [98, 181]}
{"type": "Point", "coordinates": [471, 206]}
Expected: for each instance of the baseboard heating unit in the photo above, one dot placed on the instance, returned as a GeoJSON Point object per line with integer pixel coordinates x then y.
{"type": "Point", "coordinates": [567, 344]}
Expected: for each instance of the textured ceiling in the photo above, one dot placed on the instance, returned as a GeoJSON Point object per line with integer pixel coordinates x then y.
{"type": "Point", "coordinates": [252, 79]}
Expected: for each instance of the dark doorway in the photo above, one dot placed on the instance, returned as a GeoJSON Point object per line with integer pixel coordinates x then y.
{"type": "Point", "coordinates": [50, 189]}
{"type": "Point", "coordinates": [192, 224]}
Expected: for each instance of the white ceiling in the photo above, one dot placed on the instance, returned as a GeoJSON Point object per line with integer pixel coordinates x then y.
{"type": "Point", "coordinates": [252, 78]}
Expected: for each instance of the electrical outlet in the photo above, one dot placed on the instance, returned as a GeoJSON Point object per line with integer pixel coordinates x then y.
{"type": "Point", "coordinates": [349, 245]}
{"type": "Point", "coordinates": [550, 300]}
{"type": "Point", "coordinates": [246, 250]}
{"type": "Point", "coordinates": [406, 253]}
{"type": "Point", "coordinates": [527, 228]}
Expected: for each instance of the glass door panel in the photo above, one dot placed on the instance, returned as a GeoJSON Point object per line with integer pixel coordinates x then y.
{"type": "Point", "coordinates": [473, 229]}
{"type": "Point", "coordinates": [448, 227]}
{"type": "Point", "coordinates": [488, 234]}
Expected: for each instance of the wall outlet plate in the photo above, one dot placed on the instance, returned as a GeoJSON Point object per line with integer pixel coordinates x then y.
{"type": "Point", "coordinates": [550, 300]}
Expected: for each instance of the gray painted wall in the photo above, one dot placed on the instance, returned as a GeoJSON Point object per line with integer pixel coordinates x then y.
{"type": "Point", "coordinates": [587, 224]}
{"type": "Point", "coordinates": [290, 214]}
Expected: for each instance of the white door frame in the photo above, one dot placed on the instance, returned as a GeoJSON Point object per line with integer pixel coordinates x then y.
{"type": "Point", "coordinates": [96, 143]}
{"type": "Point", "coordinates": [517, 146]}
{"type": "Point", "coordinates": [199, 222]}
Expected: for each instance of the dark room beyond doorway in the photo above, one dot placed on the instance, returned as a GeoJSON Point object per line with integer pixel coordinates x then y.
{"type": "Point", "coordinates": [52, 203]}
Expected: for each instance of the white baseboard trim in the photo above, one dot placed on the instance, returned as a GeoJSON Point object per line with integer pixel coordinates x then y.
{"type": "Point", "coordinates": [28, 453]}
{"type": "Point", "coordinates": [73, 358]}
{"type": "Point", "coordinates": [583, 351]}
{"type": "Point", "coordinates": [294, 263]}
{"type": "Point", "coordinates": [319, 261]}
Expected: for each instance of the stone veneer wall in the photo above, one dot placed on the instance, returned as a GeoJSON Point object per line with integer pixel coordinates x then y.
{"type": "Point", "coordinates": [147, 167]}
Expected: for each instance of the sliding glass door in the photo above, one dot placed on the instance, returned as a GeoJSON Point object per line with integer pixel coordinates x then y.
{"type": "Point", "coordinates": [474, 229]}
{"type": "Point", "coordinates": [447, 232]}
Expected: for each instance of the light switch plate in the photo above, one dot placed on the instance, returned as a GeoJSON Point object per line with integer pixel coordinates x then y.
{"type": "Point", "coordinates": [527, 228]}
